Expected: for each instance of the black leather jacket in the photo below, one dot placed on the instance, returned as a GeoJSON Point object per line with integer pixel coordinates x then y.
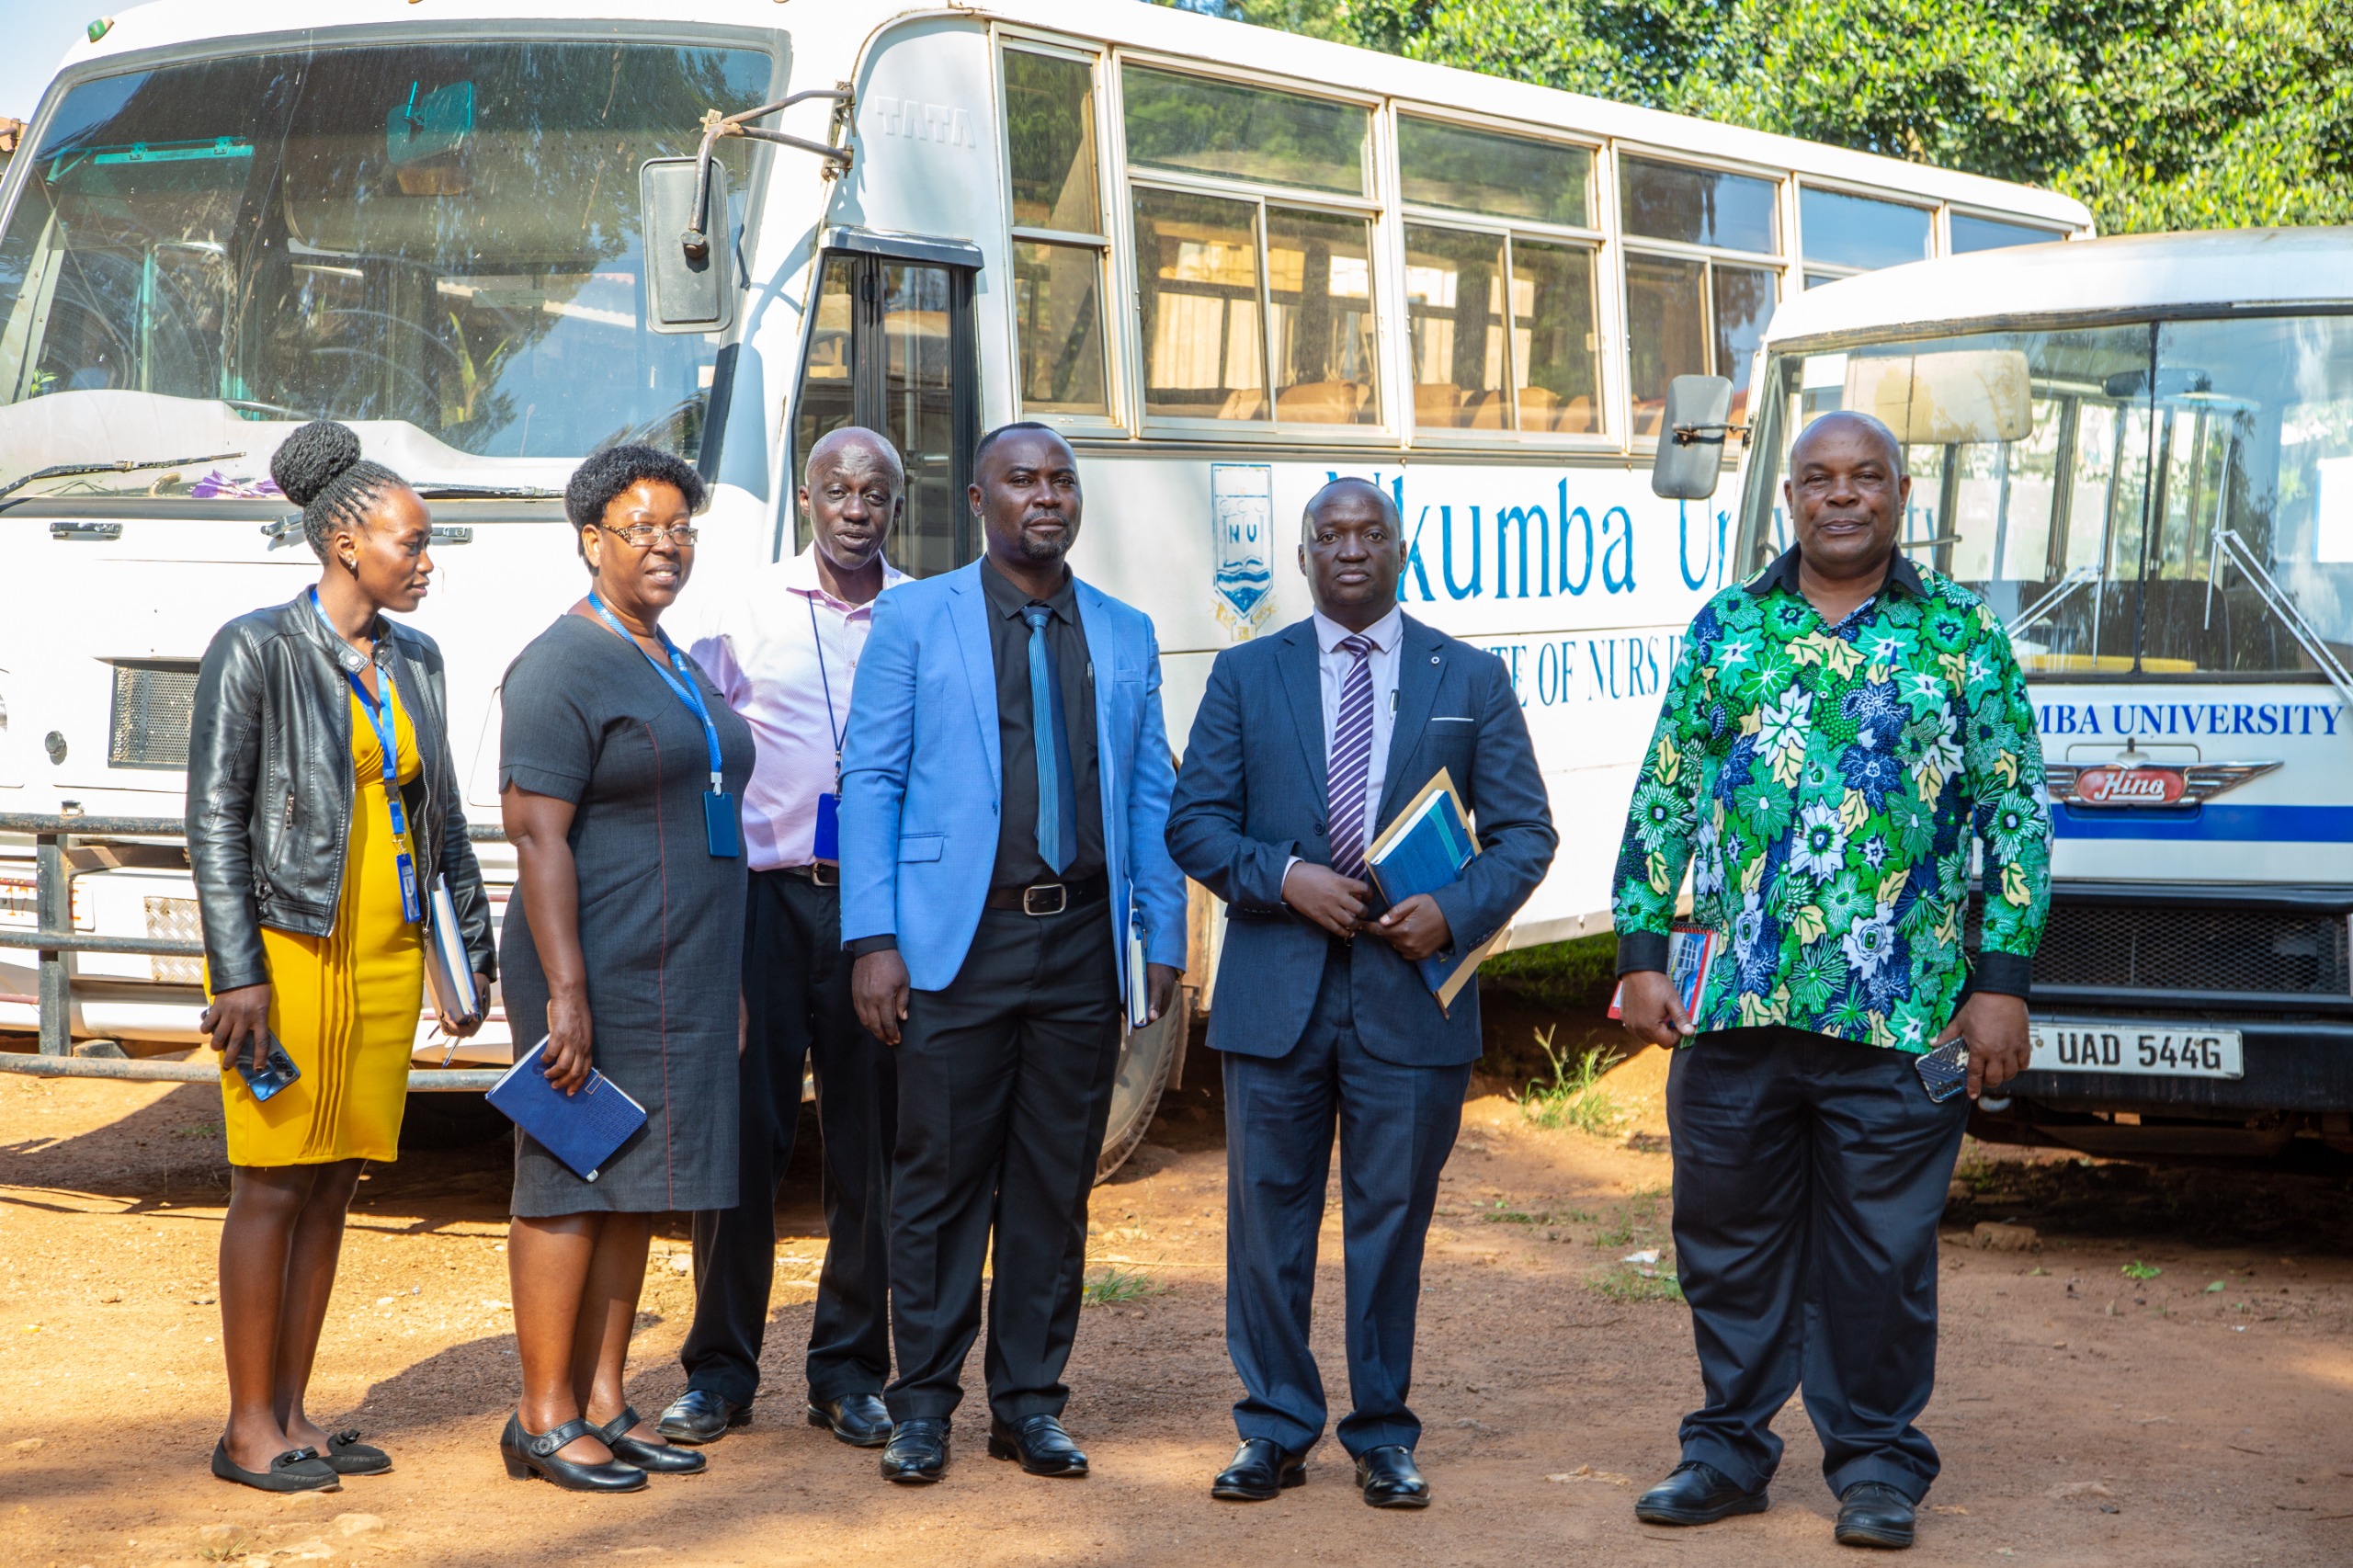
{"type": "Point", "coordinates": [270, 786]}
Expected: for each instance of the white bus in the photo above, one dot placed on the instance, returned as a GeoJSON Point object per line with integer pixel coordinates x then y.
{"type": "Point", "coordinates": [2140, 451]}
{"type": "Point", "coordinates": [1227, 262]}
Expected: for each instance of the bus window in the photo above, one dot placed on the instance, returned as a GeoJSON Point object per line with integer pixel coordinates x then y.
{"type": "Point", "coordinates": [1234, 131]}
{"type": "Point", "coordinates": [1970, 232]}
{"type": "Point", "coordinates": [1694, 314]}
{"type": "Point", "coordinates": [1466, 170]}
{"type": "Point", "coordinates": [1059, 244]}
{"type": "Point", "coordinates": [1858, 233]}
{"type": "Point", "coordinates": [1319, 296]}
{"type": "Point", "coordinates": [1197, 284]}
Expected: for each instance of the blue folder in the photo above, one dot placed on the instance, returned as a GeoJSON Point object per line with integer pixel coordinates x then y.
{"type": "Point", "coordinates": [1425, 848]}
{"type": "Point", "coordinates": [582, 1129]}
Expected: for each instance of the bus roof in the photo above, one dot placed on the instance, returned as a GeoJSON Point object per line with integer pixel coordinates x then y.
{"type": "Point", "coordinates": [1312, 63]}
{"type": "Point", "coordinates": [2130, 274]}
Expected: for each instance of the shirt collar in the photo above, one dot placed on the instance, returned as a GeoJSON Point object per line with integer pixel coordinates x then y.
{"type": "Point", "coordinates": [1783, 574]}
{"type": "Point", "coordinates": [1008, 600]}
{"type": "Point", "coordinates": [801, 577]}
{"type": "Point", "coordinates": [1382, 634]}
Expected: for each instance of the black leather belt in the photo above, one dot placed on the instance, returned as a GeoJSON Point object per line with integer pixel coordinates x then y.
{"type": "Point", "coordinates": [1050, 898]}
{"type": "Point", "coordinates": [824, 873]}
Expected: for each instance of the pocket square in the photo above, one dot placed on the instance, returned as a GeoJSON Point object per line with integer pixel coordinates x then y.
{"type": "Point", "coordinates": [1453, 719]}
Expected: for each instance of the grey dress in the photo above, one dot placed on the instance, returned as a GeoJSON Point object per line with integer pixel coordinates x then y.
{"type": "Point", "coordinates": [587, 720]}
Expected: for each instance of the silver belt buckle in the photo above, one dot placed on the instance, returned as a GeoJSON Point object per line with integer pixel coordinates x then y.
{"type": "Point", "coordinates": [1029, 898]}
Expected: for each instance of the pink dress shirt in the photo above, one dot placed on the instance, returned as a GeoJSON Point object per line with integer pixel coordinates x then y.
{"type": "Point", "coordinates": [774, 646]}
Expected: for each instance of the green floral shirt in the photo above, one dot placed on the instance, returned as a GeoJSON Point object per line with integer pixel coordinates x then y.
{"type": "Point", "coordinates": [1824, 784]}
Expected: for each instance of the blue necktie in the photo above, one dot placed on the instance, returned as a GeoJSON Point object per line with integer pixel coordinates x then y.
{"type": "Point", "coordinates": [1049, 731]}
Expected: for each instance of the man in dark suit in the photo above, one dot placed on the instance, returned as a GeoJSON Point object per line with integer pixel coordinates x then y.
{"type": "Point", "coordinates": [1306, 743]}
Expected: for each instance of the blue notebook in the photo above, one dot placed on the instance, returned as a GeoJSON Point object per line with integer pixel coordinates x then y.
{"type": "Point", "coordinates": [1425, 848]}
{"type": "Point", "coordinates": [581, 1128]}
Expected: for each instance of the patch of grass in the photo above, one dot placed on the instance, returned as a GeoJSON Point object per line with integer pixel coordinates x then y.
{"type": "Point", "coordinates": [1628, 1283]}
{"type": "Point", "coordinates": [1566, 975]}
{"type": "Point", "coordinates": [1501, 1212]}
{"type": "Point", "coordinates": [198, 1130]}
{"type": "Point", "coordinates": [1637, 1220]}
{"type": "Point", "coordinates": [1574, 1096]}
{"type": "Point", "coordinates": [2136, 1269]}
{"type": "Point", "coordinates": [1110, 1286]}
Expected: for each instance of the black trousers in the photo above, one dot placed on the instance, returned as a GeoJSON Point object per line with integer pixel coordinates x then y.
{"type": "Point", "coordinates": [797, 999]}
{"type": "Point", "coordinates": [1396, 1125]}
{"type": "Point", "coordinates": [1005, 1085]}
{"type": "Point", "coordinates": [1810, 1174]}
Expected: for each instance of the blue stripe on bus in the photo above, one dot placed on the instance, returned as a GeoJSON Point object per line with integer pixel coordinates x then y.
{"type": "Point", "coordinates": [2237, 823]}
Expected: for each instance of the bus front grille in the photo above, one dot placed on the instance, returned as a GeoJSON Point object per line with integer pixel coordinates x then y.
{"type": "Point", "coordinates": [2192, 947]}
{"type": "Point", "coordinates": [154, 700]}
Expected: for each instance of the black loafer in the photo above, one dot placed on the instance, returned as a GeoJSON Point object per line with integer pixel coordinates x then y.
{"type": "Point", "coordinates": [657, 1459]}
{"type": "Point", "coordinates": [1261, 1467]}
{"type": "Point", "coordinates": [296, 1470]}
{"type": "Point", "coordinates": [1039, 1443]}
{"type": "Point", "coordinates": [859, 1419]}
{"type": "Point", "coordinates": [346, 1455]}
{"type": "Point", "coordinates": [534, 1453]}
{"type": "Point", "coordinates": [1696, 1492]}
{"type": "Point", "coordinates": [1872, 1513]}
{"type": "Point", "coordinates": [916, 1454]}
{"type": "Point", "coordinates": [700, 1415]}
{"type": "Point", "coordinates": [1391, 1479]}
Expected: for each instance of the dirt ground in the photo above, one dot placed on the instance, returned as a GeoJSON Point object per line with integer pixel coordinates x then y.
{"type": "Point", "coordinates": [2198, 1415]}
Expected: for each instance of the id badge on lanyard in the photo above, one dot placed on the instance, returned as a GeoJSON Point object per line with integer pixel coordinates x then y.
{"type": "Point", "coordinates": [384, 719]}
{"type": "Point", "coordinates": [828, 843]}
{"type": "Point", "coordinates": [723, 830]}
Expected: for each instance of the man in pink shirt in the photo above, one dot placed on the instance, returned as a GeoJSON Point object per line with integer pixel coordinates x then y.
{"type": "Point", "coordinates": [783, 646]}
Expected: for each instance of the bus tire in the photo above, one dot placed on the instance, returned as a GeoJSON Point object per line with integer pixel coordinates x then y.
{"type": "Point", "coordinates": [1146, 1057]}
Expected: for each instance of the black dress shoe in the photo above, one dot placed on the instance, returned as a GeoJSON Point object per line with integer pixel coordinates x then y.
{"type": "Point", "coordinates": [1391, 1479]}
{"type": "Point", "coordinates": [916, 1454]}
{"type": "Point", "coordinates": [1261, 1467]}
{"type": "Point", "coordinates": [1039, 1443]}
{"type": "Point", "coordinates": [859, 1419]}
{"type": "Point", "coordinates": [346, 1455]}
{"type": "Point", "coordinates": [658, 1459]}
{"type": "Point", "coordinates": [1695, 1492]}
{"type": "Point", "coordinates": [1872, 1513]}
{"type": "Point", "coordinates": [296, 1470]}
{"type": "Point", "coordinates": [534, 1453]}
{"type": "Point", "coordinates": [700, 1415]}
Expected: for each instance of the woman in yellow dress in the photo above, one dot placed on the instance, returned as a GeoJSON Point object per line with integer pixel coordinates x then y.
{"type": "Point", "coordinates": [316, 858]}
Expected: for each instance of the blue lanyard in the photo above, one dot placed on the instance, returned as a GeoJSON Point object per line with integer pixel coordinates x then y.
{"type": "Point", "coordinates": [833, 728]}
{"type": "Point", "coordinates": [384, 719]}
{"type": "Point", "coordinates": [682, 682]}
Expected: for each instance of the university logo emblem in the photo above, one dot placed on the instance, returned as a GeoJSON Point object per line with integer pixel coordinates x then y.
{"type": "Point", "coordinates": [1242, 522]}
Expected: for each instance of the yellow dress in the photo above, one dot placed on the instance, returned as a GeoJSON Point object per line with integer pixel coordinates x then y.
{"type": "Point", "coordinates": [345, 1005]}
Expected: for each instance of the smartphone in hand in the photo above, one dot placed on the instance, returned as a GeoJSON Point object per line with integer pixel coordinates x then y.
{"type": "Point", "coordinates": [1945, 1070]}
{"type": "Point", "coordinates": [276, 1070]}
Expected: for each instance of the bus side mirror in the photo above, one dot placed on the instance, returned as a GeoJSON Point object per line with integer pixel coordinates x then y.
{"type": "Point", "coordinates": [1691, 443]}
{"type": "Point", "coordinates": [688, 287]}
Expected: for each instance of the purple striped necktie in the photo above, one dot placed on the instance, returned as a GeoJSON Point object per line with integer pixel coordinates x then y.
{"type": "Point", "coordinates": [1352, 758]}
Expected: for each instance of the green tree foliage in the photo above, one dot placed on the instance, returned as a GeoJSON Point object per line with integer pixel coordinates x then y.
{"type": "Point", "coordinates": [2157, 114]}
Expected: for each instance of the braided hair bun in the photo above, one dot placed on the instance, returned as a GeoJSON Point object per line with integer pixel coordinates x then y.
{"type": "Point", "coordinates": [320, 469]}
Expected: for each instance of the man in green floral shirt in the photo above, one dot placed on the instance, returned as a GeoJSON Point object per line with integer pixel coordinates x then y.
{"type": "Point", "coordinates": [1838, 734]}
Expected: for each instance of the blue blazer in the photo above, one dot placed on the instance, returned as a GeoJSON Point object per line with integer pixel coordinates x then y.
{"type": "Point", "coordinates": [922, 782]}
{"type": "Point", "coordinates": [1252, 794]}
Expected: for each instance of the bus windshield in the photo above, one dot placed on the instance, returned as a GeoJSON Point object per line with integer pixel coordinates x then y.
{"type": "Point", "coordinates": [437, 242]}
{"type": "Point", "coordinates": [2091, 484]}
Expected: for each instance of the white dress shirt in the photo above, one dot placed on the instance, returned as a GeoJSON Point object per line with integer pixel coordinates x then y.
{"type": "Point", "coordinates": [1333, 665]}
{"type": "Point", "coordinates": [776, 645]}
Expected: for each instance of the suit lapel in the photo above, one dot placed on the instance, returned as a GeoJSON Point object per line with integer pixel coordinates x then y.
{"type": "Point", "coordinates": [1095, 619]}
{"type": "Point", "coordinates": [1420, 665]}
{"type": "Point", "coordinates": [970, 612]}
{"type": "Point", "coordinates": [1305, 682]}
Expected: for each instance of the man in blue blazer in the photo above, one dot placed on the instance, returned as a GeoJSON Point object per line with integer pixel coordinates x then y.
{"type": "Point", "coordinates": [1307, 742]}
{"type": "Point", "coordinates": [1005, 804]}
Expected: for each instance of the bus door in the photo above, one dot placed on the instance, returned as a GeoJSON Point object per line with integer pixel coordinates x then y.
{"type": "Point", "coordinates": [891, 348]}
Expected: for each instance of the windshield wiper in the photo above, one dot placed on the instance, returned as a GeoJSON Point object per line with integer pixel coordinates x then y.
{"type": "Point", "coordinates": [487, 493]}
{"type": "Point", "coordinates": [2059, 593]}
{"type": "Point", "coordinates": [2229, 547]}
{"type": "Point", "coordinates": [67, 471]}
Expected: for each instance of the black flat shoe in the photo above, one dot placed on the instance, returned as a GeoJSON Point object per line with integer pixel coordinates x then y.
{"type": "Point", "coordinates": [528, 1454]}
{"type": "Point", "coordinates": [916, 1454]}
{"type": "Point", "coordinates": [1696, 1492]}
{"type": "Point", "coordinates": [700, 1415]}
{"type": "Point", "coordinates": [859, 1419]}
{"type": "Point", "coordinates": [1872, 1513]}
{"type": "Point", "coordinates": [1391, 1479]}
{"type": "Point", "coordinates": [1261, 1467]}
{"type": "Point", "coordinates": [655, 1458]}
{"type": "Point", "coordinates": [1041, 1443]}
{"type": "Point", "coordinates": [296, 1470]}
{"type": "Point", "coordinates": [346, 1455]}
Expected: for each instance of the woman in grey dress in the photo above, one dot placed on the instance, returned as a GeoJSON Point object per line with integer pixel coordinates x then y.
{"type": "Point", "coordinates": [623, 946]}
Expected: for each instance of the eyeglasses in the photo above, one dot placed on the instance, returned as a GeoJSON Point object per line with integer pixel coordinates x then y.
{"type": "Point", "coordinates": [643, 535]}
